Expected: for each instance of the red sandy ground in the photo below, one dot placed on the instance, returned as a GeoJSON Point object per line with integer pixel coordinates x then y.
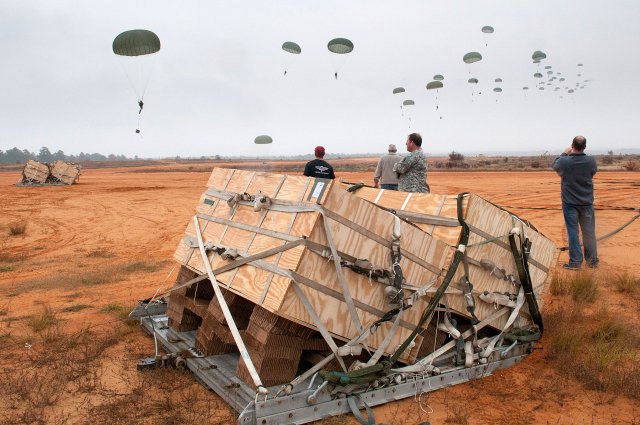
{"type": "Point", "coordinates": [139, 214]}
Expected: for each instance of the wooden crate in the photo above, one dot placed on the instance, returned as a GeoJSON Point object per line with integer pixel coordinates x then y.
{"type": "Point", "coordinates": [64, 172]}
{"type": "Point", "coordinates": [423, 262]}
{"type": "Point", "coordinates": [35, 172]}
{"type": "Point", "coordinates": [486, 221]}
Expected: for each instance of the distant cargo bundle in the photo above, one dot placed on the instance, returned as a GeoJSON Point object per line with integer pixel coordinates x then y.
{"type": "Point", "coordinates": [56, 173]}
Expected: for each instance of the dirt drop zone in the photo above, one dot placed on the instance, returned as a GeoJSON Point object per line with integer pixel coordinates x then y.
{"type": "Point", "coordinates": [75, 259]}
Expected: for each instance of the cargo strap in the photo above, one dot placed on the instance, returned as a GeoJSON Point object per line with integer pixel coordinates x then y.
{"type": "Point", "coordinates": [608, 235]}
{"type": "Point", "coordinates": [227, 315]}
{"type": "Point", "coordinates": [521, 256]}
{"type": "Point", "coordinates": [316, 320]}
{"type": "Point", "coordinates": [352, 401]}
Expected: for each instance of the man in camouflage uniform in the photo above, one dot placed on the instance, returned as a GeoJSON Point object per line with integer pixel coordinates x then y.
{"type": "Point", "coordinates": [412, 169]}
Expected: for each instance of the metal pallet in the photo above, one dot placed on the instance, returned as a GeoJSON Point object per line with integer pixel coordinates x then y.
{"type": "Point", "coordinates": [310, 402]}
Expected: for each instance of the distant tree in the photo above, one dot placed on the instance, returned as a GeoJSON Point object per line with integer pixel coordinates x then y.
{"type": "Point", "coordinates": [59, 155]}
{"type": "Point", "coordinates": [456, 156]}
{"type": "Point", "coordinates": [45, 155]}
{"type": "Point", "coordinates": [112, 157]}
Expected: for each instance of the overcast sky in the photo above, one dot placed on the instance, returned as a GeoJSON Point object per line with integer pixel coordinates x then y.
{"type": "Point", "coordinates": [218, 81]}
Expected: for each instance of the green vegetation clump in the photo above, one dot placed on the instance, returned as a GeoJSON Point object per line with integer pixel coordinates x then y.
{"type": "Point", "coordinates": [17, 228]}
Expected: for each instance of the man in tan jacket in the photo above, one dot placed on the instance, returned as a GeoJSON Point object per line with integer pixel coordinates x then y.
{"type": "Point", "coordinates": [384, 176]}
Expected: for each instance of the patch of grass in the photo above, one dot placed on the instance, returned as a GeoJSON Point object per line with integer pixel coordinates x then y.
{"type": "Point", "coordinates": [4, 337]}
{"type": "Point", "coordinates": [583, 287]}
{"type": "Point", "coordinates": [559, 284]}
{"type": "Point", "coordinates": [626, 282]}
{"type": "Point", "coordinates": [599, 349]}
{"type": "Point", "coordinates": [45, 319]}
{"type": "Point", "coordinates": [89, 277]}
{"type": "Point", "coordinates": [120, 311]}
{"type": "Point", "coordinates": [112, 308]}
{"type": "Point", "coordinates": [17, 227]}
{"type": "Point", "coordinates": [75, 307]}
{"type": "Point", "coordinates": [6, 268]}
{"type": "Point", "coordinates": [100, 253]}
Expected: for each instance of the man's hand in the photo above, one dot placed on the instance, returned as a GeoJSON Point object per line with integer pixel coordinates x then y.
{"type": "Point", "coordinates": [568, 150]}
{"type": "Point", "coordinates": [376, 185]}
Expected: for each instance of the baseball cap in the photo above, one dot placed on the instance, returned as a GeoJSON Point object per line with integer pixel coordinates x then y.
{"type": "Point", "coordinates": [319, 151]}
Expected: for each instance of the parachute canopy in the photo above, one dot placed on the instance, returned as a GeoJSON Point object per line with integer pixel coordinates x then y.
{"type": "Point", "coordinates": [487, 29]}
{"type": "Point", "coordinates": [136, 43]}
{"type": "Point", "coordinates": [472, 57]}
{"type": "Point", "coordinates": [538, 55]}
{"type": "Point", "coordinates": [340, 46]}
{"type": "Point", "coordinates": [473, 81]}
{"type": "Point", "coordinates": [438, 77]}
{"type": "Point", "coordinates": [398, 90]}
{"type": "Point", "coordinates": [547, 67]}
{"type": "Point", "coordinates": [498, 80]}
{"type": "Point", "coordinates": [525, 88]}
{"type": "Point", "coordinates": [435, 85]}
{"type": "Point", "coordinates": [291, 47]}
{"type": "Point", "coordinates": [497, 90]}
{"type": "Point", "coordinates": [263, 140]}
{"type": "Point", "coordinates": [408, 102]}
{"type": "Point", "coordinates": [537, 75]}
{"type": "Point", "coordinates": [579, 64]}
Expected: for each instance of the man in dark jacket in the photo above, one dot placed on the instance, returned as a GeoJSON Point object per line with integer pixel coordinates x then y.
{"type": "Point", "coordinates": [576, 170]}
{"type": "Point", "coordinates": [319, 167]}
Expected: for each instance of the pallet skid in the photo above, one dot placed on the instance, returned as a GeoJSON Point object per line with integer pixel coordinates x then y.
{"type": "Point", "coordinates": [218, 373]}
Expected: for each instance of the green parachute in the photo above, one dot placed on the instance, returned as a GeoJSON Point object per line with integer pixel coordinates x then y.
{"type": "Point", "coordinates": [398, 90]}
{"type": "Point", "coordinates": [340, 46]}
{"type": "Point", "coordinates": [472, 81]}
{"type": "Point", "coordinates": [263, 140]}
{"type": "Point", "coordinates": [434, 85]}
{"type": "Point", "coordinates": [472, 57]}
{"type": "Point", "coordinates": [538, 55]}
{"type": "Point", "coordinates": [438, 77]}
{"type": "Point", "coordinates": [487, 29]}
{"type": "Point", "coordinates": [408, 102]}
{"type": "Point", "coordinates": [136, 48]}
{"type": "Point", "coordinates": [291, 47]}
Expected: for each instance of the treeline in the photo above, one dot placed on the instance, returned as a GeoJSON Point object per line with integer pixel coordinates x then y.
{"type": "Point", "coordinates": [17, 156]}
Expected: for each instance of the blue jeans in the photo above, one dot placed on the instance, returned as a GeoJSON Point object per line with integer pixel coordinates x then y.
{"type": "Point", "coordinates": [584, 216]}
{"type": "Point", "coordinates": [389, 186]}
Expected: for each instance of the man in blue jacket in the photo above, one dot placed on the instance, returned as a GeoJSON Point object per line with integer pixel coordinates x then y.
{"type": "Point", "coordinates": [576, 170]}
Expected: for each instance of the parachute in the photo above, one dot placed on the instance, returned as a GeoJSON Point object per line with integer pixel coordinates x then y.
{"type": "Point", "coordinates": [579, 64]}
{"type": "Point", "coordinates": [291, 47]}
{"type": "Point", "coordinates": [538, 55]}
{"type": "Point", "coordinates": [263, 140]}
{"type": "Point", "coordinates": [540, 88]}
{"type": "Point", "coordinates": [435, 85]}
{"type": "Point", "coordinates": [497, 90]}
{"type": "Point", "coordinates": [438, 77]}
{"type": "Point", "coordinates": [408, 102]}
{"type": "Point", "coordinates": [487, 29]}
{"type": "Point", "coordinates": [547, 67]}
{"type": "Point", "coordinates": [398, 90]}
{"type": "Point", "coordinates": [537, 75]}
{"type": "Point", "coordinates": [525, 88]}
{"type": "Point", "coordinates": [472, 81]}
{"type": "Point", "coordinates": [136, 43]}
{"type": "Point", "coordinates": [340, 46]}
{"type": "Point", "coordinates": [498, 80]}
{"type": "Point", "coordinates": [472, 57]}
{"type": "Point", "coordinates": [570, 91]}
{"type": "Point", "coordinates": [136, 48]}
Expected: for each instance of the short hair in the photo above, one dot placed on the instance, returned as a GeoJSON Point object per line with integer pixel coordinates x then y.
{"type": "Point", "coordinates": [416, 138]}
{"type": "Point", "coordinates": [579, 143]}
{"type": "Point", "coordinates": [392, 148]}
